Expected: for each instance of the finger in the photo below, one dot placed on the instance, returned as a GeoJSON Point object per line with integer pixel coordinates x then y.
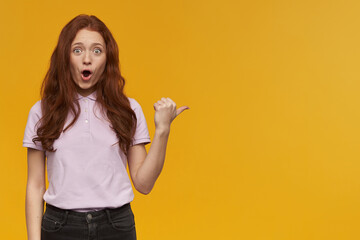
{"type": "Point", "coordinates": [156, 106]}
{"type": "Point", "coordinates": [164, 100]}
{"type": "Point", "coordinates": [181, 109]}
{"type": "Point", "coordinates": [172, 102]}
{"type": "Point", "coordinates": [169, 99]}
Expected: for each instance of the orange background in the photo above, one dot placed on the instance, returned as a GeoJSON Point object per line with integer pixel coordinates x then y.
{"type": "Point", "coordinates": [270, 146]}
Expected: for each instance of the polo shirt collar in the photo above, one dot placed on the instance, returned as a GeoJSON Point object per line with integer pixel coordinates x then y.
{"type": "Point", "coordinates": [92, 96]}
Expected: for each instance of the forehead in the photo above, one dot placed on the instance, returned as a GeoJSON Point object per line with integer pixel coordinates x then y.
{"type": "Point", "coordinates": [88, 37]}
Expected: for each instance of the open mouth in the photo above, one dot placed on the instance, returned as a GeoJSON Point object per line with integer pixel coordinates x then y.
{"type": "Point", "coordinates": [86, 74]}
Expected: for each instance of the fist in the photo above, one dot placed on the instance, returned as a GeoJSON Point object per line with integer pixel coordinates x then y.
{"type": "Point", "coordinates": [166, 112]}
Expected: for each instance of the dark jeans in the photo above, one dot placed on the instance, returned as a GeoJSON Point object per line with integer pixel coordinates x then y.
{"type": "Point", "coordinates": [106, 224]}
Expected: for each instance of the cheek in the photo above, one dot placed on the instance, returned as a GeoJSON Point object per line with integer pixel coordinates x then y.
{"type": "Point", "coordinates": [72, 69]}
{"type": "Point", "coordinates": [103, 65]}
{"type": "Point", "coordinates": [74, 60]}
{"type": "Point", "coordinates": [72, 64]}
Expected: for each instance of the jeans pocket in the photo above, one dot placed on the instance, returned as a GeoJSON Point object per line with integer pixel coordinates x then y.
{"type": "Point", "coordinates": [51, 223]}
{"type": "Point", "coordinates": [123, 221]}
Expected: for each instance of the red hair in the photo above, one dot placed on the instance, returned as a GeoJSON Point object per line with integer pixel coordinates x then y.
{"type": "Point", "coordinates": [58, 90]}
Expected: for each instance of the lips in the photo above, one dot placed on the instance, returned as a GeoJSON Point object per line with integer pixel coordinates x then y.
{"type": "Point", "coordinates": [86, 74]}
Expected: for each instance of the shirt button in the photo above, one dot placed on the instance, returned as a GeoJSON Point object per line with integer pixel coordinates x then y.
{"type": "Point", "coordinates": [86, 121]}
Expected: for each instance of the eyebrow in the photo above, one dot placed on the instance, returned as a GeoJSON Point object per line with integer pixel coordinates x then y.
{"type": "Point", "coordinates": [80, 43]}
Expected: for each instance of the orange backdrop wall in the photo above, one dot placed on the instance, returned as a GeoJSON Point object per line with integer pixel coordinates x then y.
{"type": "Point", "coordinates": [270, 146]}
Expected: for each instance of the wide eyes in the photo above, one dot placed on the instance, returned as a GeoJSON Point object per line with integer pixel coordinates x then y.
{"type": "Point", "coordinates": [79, 50]}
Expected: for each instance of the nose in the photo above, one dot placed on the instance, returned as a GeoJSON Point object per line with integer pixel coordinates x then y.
{"type": "Point", "coordinates": [86, 59]}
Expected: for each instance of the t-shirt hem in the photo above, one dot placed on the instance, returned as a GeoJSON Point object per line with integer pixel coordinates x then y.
{"type": "Point", "coordinates": [31, 145]}
{"type": "Point", "coordinates": [141, 140]}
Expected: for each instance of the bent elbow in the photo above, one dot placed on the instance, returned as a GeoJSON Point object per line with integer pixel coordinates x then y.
{"type": "Point", "coordinates": [143, 186]}
{"type": "Point", "coordinates": [143, 190]}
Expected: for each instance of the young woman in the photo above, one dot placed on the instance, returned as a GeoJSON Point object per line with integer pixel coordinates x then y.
{"type": "Point", "coordinates": [88, 130]}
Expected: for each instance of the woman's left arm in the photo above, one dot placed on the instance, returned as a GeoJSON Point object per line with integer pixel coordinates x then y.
{"type": "Point", "coordinates": [145, 168]}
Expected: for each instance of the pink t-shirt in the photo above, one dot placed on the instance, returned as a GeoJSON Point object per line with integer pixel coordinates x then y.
{"type": "Point", "coordinates": [88, 170]}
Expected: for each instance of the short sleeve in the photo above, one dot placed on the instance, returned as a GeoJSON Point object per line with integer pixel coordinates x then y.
{"type": "Point", "coordinates": [30, 130]}
{"type": "Point", "coordinates": [142, 132]}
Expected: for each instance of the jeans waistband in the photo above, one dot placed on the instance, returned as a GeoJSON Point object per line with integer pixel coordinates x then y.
{"type": "Point", "coordinates": [67, 215]}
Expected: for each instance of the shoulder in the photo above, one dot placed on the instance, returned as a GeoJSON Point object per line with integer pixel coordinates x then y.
{"type": "Point", "coordinates": [36, 108]}
{"type": "Point", "coordinates": [133, 103]}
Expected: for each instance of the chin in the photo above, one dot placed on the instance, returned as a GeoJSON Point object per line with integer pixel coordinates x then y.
{"type": "Point", "coordinates": [85, 86]}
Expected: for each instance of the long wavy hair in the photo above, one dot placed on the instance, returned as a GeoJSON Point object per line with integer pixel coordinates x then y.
{"type": "Point", "coordinates": [58, 90]}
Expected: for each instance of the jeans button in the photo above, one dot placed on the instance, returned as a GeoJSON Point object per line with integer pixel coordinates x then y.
{"type": "Point", "coordinates": [88, 217]}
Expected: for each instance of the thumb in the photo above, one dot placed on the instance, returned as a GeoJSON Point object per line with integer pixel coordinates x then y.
{"type": "Point", "coordinates": [181, 109]}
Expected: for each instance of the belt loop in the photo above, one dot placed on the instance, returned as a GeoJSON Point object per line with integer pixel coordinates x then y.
{"type": "Point", "coordinates": [108, 214]}
{"type": "Point", "coordinates": [66, 215]}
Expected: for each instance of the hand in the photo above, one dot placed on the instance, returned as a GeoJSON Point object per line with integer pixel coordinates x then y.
{"type": "Point", "coordinates": [166, 112]}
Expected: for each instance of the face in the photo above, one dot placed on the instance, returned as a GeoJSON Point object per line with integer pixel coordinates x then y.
{"type": "Point", "coordinates": [87, 60]}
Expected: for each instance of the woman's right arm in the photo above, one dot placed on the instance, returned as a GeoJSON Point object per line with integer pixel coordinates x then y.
{"type": "Point", "coordinates": [35, 189]}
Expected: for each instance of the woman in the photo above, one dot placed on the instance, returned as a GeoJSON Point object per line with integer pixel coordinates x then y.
{"type": "Point", "coordinates": [88, 130]}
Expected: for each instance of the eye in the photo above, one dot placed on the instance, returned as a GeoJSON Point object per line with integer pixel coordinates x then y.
{"type": "Point", "coordinates": [97, 50]}
{"type": "Point", "coordinates": [77, 50]}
